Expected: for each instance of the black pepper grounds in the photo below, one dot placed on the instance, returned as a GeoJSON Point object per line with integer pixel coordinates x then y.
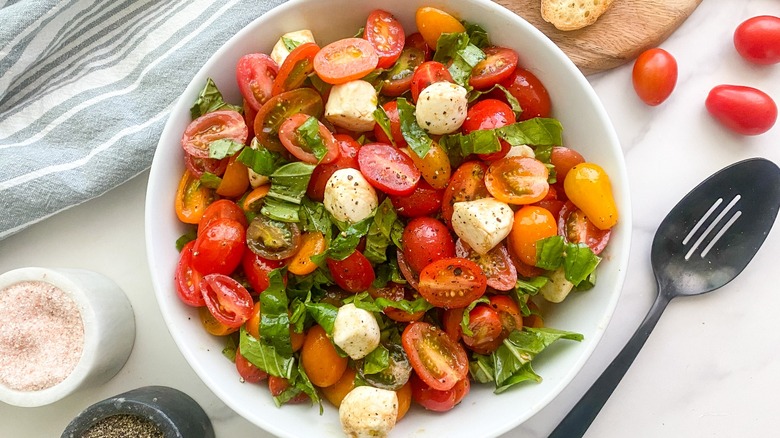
{"type": "Point", "coordinates": [123, 426]}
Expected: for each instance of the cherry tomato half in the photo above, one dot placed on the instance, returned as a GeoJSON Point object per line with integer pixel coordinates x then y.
{"type": "Point", "coordinates": [296, 145]}
{"type": "Point", "coordinates": [434, 167]}
{"type": "Point", "coordinates": [496, 264]}
{"type": "Point", "coordinates": [436, 359]}
{"type": "Point", "coordinates": [575, 227]}
{"type": "Point", "coordinates": [426, 240]}
{"type": "Point", "coordinates": [272, 239]}
{"type": "Point", "coordinates": [744, 110]}
{"type": "Point", "coordinates": [486, 330]}
{"type": "Point", "coordinates": [216, 125]}
{"type": "Point", "coordinates": [278, 385]}
{"type": "Point", "coordinates": [199, 166]}
{"type": "Point", "coordinates": [348, 150]}
{"type": "Point", "coordinates": [353, 274]}
{"type": "Point", "coordinates": [222, 209]}
{"type": "Point", "coordinates": [257, 268]}
{"type": "Point", "coordinates": [435, 400]}
{"type": "Point", "coordinates": [386, 35]}
{"type": "Point", "coordinates": [498, 64]}
{"type": "Point", "coordinates": [391, 109]}
{"type": "Point", "coordinates": [517, 180]}
{"type": "Point", "coordinates": [654, 76]}
{"type": "Point", "coordinates": [280, 107]}
{"type": "Point", "coordinates": [191, 199]}
{"type": "Point", "coordinates": [398, 80]}
{"type": "Point", "coordinates": [219, 247]}
{"type": "Point", "coordinates": [227, 300]}
{"type": "Point", "coordinates": [188, 279]}
{"type": "Point", "coordinates": [388, 169]}
{"type": "Point", "coordinates": [426, 74]}
{"type": "Point", "coordinates": [345, 60]}
{"type": "Point", "coordinates": [247, 370]}
{"type": "Point", "coordinates": [758, 39]}
{"type": "Point", "coordinates": [297, 66]}
{"type": "Point", "coordinates": [255, 74]}
{"type": "Point", "coordinates": [452, 283]}
{"type": "Point", "coordinates": [466, 184]}
{"type": "Point", "coordinates": [529, 92]}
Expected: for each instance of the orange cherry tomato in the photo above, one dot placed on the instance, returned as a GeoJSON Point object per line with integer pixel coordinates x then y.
{"type": "Point", "coordinates": [432, 22]}
{"type": "Point", "coordinates": [296, 68]}
{"type": "Point", "coordinates": [253, 200]}
{"type": "Point", "coordinates": [335, 393]}
{"type": "Point", "coordinates": [345, 60]}
{"type": "Point", "coordinates": [654, 76]}
{"type": "Point", "coordinates": [192, 198]}
{"type": "Point", "coordinates": [587, 185]}
{"type": "Point", "coordinates": [252, 326]}
{"type": "Point", "coordinates": [404, 400]}
{"type": "Point", "coordinates": [531, 224]}
{"type": "Point", "coordinates": [235, 181]}
{"type": "Point", "coordinates": [312, 243]}
{"type": "Point", "coordinates": [320, 359]}
{"type": "Point", "coordinates": [434, 167]}
{"type": "Point", "coordinates": [452, 282]}
{"type": "Point", "coordinates": [517, 180]}
{"type": "Point", "coordinates": [212, 325]}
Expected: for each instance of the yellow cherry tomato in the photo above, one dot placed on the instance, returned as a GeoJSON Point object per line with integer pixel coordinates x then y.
{"type": "Point", "coordinates": [312, 243]}
{"type": "Point", "coordinates": [211, 324]}
{"type": "Point", "coordinates": [434, 166]}
{"type": "Point", "coordinates": [192, 198]}
{"type": "Point", "coordinates": [432, 22]}
{"type": "Point", "coordinates": [235, 181]}
{"type": "Point", "coordinates": [588, 187]}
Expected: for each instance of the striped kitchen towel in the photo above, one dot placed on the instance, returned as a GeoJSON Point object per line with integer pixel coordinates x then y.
{"type": "Point", "coordinates": [86, 86]}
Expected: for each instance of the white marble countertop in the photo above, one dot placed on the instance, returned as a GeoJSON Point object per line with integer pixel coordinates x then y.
{"type": "Point", "coordinates": [709, 368]}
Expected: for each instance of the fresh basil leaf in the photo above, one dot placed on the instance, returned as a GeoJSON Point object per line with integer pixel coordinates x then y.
{"type": "Point", "coordinates": [511, 99]}
{"type": "Point", "coordinates": [536, 131]}
{"type": "Point", "coordinates": [279, 210]}
{"type": "Point", "coordinates": [297, 315]}
{"type": "Point", "coordinates": [381, 232]}
{"type": "Point", "coordinates": [588, 283]}
{"type": "Point", "coordinates": [264, 356]}
{"type": "Point", "coordinates": [415, 136]}
{"type": "Point", "coordinates": [449, 44]}
{"type": "Point", "coordinates": [324, 314]}
{"type": "Point", "coordinates": [482, 141]}
{"type": "Point", "coordinates": [210, 100]}
{"type": "Point", "coordinates": [477, 35]}
{"type": "Point", "coordinates": [223, 148]}
{"type": "Point", "coordinates": [260, 159]}
{"type": "Point", "coordinates": [531, 341]}
{"type": "Point", "coordinates": [314, 283]}
{"type": "Point", "coordinates": [210, 180]}
{"type": "Point", "coordinates": [274, 319]}
{"type": "Point", "coordinates": [549, 252]}
{"type": "Point", "coordinates": [364, 301]}
{"type": "Point", "coordinates": [309, 136]}
{"type": "Point", "coordinates": [302, 383]}
{"type": "Point", "coordinates": [481, 368]}
{"type": "Point", "coordinates": [184, 239]}
{"type": "Point", "coordinates": [388, 272]}
{"type": "Point", "coordinates": [414, 306]}
{"type": "Point", "coordinates": [229, 351]}
{"type": "Point", "coordinates": [380, 116]}
{"type": "Point", "coordinates": [463, 63]}
{"type": "Point", "coordinates": [579, 263]}
{"type": "Point", "coordinates": [315, 218]}
{"type": "Point", "coordinates": [290, 44]}
{"type": "Point", "coordinates": [510, 371]}
{"type": "Point", "coordinates": [465, 319]}
{"type": "Point", "coordinates": [377, 360]}
{"type": "Point", "coordinates": [346, 241]}
{"type": "Point", "coordinates": [289, 182]}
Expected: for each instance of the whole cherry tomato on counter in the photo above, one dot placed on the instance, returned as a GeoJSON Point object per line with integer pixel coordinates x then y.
{"type": "Point", "coordinates": [654, 76]}
{"type": "Point", "coordinates": [744, 110]}
{"type": "Point", "coordinates": [758, 39]}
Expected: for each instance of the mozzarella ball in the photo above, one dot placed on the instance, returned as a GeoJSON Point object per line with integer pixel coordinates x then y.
{"type": "Point", "coordinates": [442, 107]}
{"type": "Point", "coordinates": [522, 150]}
{"type": "Point", "coordinates": [368, 412]}
{"type": "Point", "coordinates": [355, 331]}
{"type": "Point", "coordinates": [256, 180]}
{"type": "Point", "coordinates": [557, 287]}
{"type": "Point", "coordinates": [280, 52]}
{"type": "Point", "coordinates": [351, 106]}
{"type": "Point", "coordinates": [482, 223]}
{"type": "Point", "coordinates": [349, 197]}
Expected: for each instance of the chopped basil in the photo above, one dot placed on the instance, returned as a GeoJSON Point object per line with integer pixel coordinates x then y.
{"type": "Point", "coordinates": [184, 239]}
{"type": "Point", "coordinates": [274, 319]}
{"type": "Point", "coordinates": [314, 217]}
{"type": "Point", "coordinates": [210, 100]}
{"type": "Point", "coordinates": [477, 35]}
{"type": "Point", "coordinates": [261, 160]}
{"type": "Point", "coordinates": [577, 259]}
{"type": "Point", "coordinates": [290, 44]}
{"type": "Point", "coordinates": [464, 321]}
{"type": "Point", "coordinates": [380, 116]}
{"type": "Point", "coordinates": [264, 356]}
{"type": "Point", "coordinates": [210, 180]}
{"type": "Point", "coordinates": [224, 148]}
{"type": "Point", "coordinates": [229, 350]}
{"type": "Point", "coordinates": [386, 228]}
{"type": "Point", "coordinates": [289, 182]}
{"type": "Point", "coordinates": [534, 132]}
{"type": "Point", "coordinates": [387, 272]}
{"type": "Point", "coordinates": [415, 136]}
{"type": "Point", "coordinates": [324, 314]}
{"type": "Point", "coordinates": [464, 55]}
{"type": "Point", "coordinates": [414, 306]}
{"type": "Point", "coordinates": [377, 360]}
{"type": "Point", "coordinates": [549, 253]}
{"type": "Point", "coordinates": [344, 244]}
{"type": "Point", "coordinates": [280, 210]}
{"type": "Point", "coordinates": [309, 136]}
{"type": "Point", "coordinates": [513, 102]}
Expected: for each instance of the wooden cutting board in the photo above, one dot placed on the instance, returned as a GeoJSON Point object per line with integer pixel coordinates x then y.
{"type": "Point", "coordinates": [619, 36]}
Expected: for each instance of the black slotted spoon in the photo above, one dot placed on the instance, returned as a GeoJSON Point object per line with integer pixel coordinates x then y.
{"type": "Point", "coordinates": [707, 239]}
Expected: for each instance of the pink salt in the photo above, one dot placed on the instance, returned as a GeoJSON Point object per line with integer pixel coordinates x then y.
{"type": "Point", "coordinates": [41, 335]}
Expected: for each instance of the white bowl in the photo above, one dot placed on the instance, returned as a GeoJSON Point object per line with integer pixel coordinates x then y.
{"type": "Point", "coordinates": [586, 128]}
{"type": "Point", "coordinates": [109, 331]}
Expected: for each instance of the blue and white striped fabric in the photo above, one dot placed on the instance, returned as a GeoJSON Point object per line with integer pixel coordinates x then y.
{"type": "Point", "coordinates": [86, 86]}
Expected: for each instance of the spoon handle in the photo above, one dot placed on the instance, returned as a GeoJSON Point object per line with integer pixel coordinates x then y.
{"type": "Point", "coordinates": [585, 411]}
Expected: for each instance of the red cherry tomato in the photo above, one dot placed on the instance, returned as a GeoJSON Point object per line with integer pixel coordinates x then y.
{"type": "Point", "coordinates": [426, 240]}
{"type": "Point", "coordinates": [529, 92]}
{"type": "Point", "coordinates": [257, 268]}
{"type": "Point", "coordinates": [278, 108]}
{"type": "Point", "coordinates": [227, 300]}
{"type": "Point", "coordinates": [428, 73]}
{"type": "Point", "coordinates": [486, 330]}
{"type": "Point", "coordinates": [297, 66]}
{"type": "Point", "coordinates": [247, 370]}
{"type": "Point", "coordinates": [498, 64]}
{"type": "Point", "coordinates": [216, 125]}
{"type": "Point", "coordinates": [278, 385]}
{"type": "Point", "coordinates": [654, 76]}
{"type": "Point", "coordinates": [508, 312]}
{"type": "Point", "coordinates": [450, 323]}
{"type": "Point", "coordinates": [417, 41]}
{"type": "Point", "coordinates": [496, 264]}
{"type": "Point", "coordinates": [575, 227]}
{"type": "Point", "coordinates": [489, 114]}
{"type": "Point", "coordinates": [424, 201]}
{"type": "Point", "coordinates": [199, 166]}
{"type": "Point", "coordinates": [353, 274]}
{"type": "Point", "coordinates": [411, 277]}
{"type": "Point", "coordinates": [452, 283]}
{"type": "Point", "coordinates": [255, 74]}
{"type": "Point", "coordinates": [744, 110]}
{"type": "Point", "coordinates": [435, 400]}
{"type": "Point", "coordinates": [222, 209]}
{"type": "Point", "coordinates": [219, 247]}
{"type": "Point", "coordinates": [563, 159]}
{"type": "Point", "coordinates": [386, 35]}
{"type": "Point", "coordinates": [517, 180]}
{"type": "Point", "coordinates": [466, 184]}
{"type": "Point", "coordinates": [348, 150]}
{"type": "Point", "coordinates": [345, 60]}
{"type": "Point", "coordinates": [391, 109]}
{"type": "Point", "coordinates": [438, 361]}
{"type": "Point", "coordinates": [292, 141]}
{"type": "Point", "coordinates": [188, 279]}
{"type": "Point", "coordinates": [758, 39]}
{"type": "Point", "coordinates": [388, 169]}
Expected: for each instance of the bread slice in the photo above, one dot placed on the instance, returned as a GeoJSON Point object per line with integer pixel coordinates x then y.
{"type": "Point", "coordinates": [573, 14]}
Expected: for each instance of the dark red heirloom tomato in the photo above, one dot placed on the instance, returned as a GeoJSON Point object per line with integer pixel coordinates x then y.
{"type": "Point", "coordinates": [219, 247]}
{"type": "Point", "coordinates": [744, 110]}
{"type": "Point", "coordinates": [353, 274]}
{"type": "Point", "coordinates": [498, 64]}
{"type": "Point", "coordinates": [654, 76]}
{"type": "Point", "coordinates": [466, 184]}
{"type": "Point", "coordinates": [758, 39]}
{"type": "Point", "coordinates": [452, 283]}
{"type": "Point", "coordinates": [489, 114]}
{"type": "Point", "coordinates": [417, 41]}
{"type": "Point", "coordinates": [388, 169]}
{"type": "Point", "coordinates": [247, 370]}
{"type": "Point", "coordinates": [188, 279]}
{"type": "Point", "coordinates": [213, 126]}
{"type": "Point", "coordinates": [292, 141]}
{"type": "Point", "coordinates": [386, 35]}
{"type": "Point", "coordinates": [257, 268]}
{"type": "Point", "coordinates": [529, 92]}
{"type": "Point", "coordinates": [435, 400]}
{"type": "Point", "coordinates": [426, 240]}
{"type": "Point", "coordinates": [436, 359]}
{"type": "Point", "coordinates": [424, 201]}
{"type": "Point", "coordinates": [348, 150]}
{"type": "Point", "coordinates": [255, 74]}
{"type": "Point", "coordinates": [227, 300]}
{"type": "Point", "coordinates": [428, 73]}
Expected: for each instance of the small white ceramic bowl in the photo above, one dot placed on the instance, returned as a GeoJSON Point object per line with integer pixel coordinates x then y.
{"type": "Point", "coordinates": [109, 330]}
{"type": "Point", "coordinates": [586, 129]}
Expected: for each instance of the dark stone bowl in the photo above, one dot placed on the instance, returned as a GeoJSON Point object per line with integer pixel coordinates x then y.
{"type": "Point", "coordinates": [175, 413]}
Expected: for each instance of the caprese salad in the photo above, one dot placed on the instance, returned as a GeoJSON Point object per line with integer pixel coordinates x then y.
{"type": "Point", "coordinates": [373, 223]}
